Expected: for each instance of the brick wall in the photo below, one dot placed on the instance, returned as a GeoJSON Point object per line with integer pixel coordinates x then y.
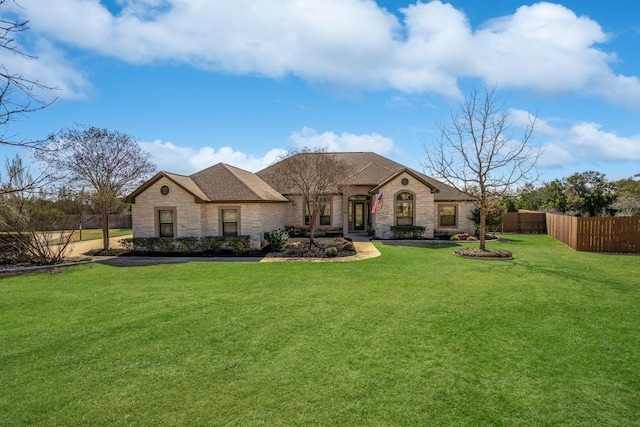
{"type": "Point", "coordinates": [423, 206]}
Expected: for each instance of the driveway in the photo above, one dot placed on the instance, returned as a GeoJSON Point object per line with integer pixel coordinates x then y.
{"type": "Point", "coordinates": [78, 249]}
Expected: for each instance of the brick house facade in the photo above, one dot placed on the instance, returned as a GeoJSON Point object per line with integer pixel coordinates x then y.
{"type": "Point", "coordinates": [225, 200]}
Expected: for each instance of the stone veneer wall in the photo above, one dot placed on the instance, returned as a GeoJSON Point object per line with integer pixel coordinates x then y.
{"type": "Point", "coordinates": [202, 219]}
{"type": "Point", "coordinates": [464, 222]}
{"type": "Point", "coordinates": [423, 206]}
{"type": "Point", "coordinates": [188, 213]}
{"type": "Point", "coordinates": [295, 213]}
{"type": "Point", "coordinates": [255, 219]}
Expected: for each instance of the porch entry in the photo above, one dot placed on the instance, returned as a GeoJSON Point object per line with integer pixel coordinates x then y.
{"type": "Point", "coordinates": [359, 213]}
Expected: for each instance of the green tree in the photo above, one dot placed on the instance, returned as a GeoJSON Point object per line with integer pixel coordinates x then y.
{"type": "Point", "coordinates": [627, 197]}
{"type": "Point", "coordinates": [588, 193]}
{"type": "Point", "coordinates": [109, 163]}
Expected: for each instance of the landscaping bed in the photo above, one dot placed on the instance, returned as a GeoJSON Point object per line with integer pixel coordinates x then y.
{"type": "Point", "coordinates": [295, 247]}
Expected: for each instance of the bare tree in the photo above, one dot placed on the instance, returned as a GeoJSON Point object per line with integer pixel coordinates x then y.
{"type": "Point", "coordinates": [110, 163]}
{"type": "Point", "coordinates": [17, 99]}
{"type": "Point", "coordinates": [29, 222]}
{"type": "Point", "coordinates": [315, 175]}
{"type": "Point", "coordinates": [478, 154]}
{"type": "Point", "coordinates": [17, 92]}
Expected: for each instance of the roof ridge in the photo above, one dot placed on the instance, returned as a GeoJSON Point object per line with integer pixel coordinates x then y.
{"type": "Point", "coordinates": [249, 187]}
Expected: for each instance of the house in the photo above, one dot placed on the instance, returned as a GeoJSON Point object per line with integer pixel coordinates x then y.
{"type": "Point", "coordinates": [223, 200]}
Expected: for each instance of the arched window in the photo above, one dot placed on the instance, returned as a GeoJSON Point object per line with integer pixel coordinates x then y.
{"type": "Point", "coordinates": [404, 209]}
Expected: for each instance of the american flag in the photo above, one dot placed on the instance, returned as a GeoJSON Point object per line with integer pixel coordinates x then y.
{"type": "Point", "coordinates": [377, 203]}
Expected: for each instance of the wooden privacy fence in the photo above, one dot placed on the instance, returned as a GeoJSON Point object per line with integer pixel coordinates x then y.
{"type": "Point", "coordinates": [525, 222]}
{"type": "Point", "coordinates": [609, 234]}
{"type": "Point", "coordinates": [94, 221]}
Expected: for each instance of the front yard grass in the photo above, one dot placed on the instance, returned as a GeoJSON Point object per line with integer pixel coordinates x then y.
{"type": "Point", "coordinates": [414, 337]}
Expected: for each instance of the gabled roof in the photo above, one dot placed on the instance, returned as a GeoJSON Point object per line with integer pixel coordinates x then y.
{"type": "Point", "coordinates": [372, 169]}
{"type": "Point", "coordinates": [222, 182]}
{"type": "Point", "coordinates": [182, 181]}
{"type": "Point", "coordinates": [369, 175]}
{"type": "Point", "coordinates": [218, 183]}
{"type": "Point", "coordinates": [226, 183]}
{"type": "Point", "coordinates": [408, 171]}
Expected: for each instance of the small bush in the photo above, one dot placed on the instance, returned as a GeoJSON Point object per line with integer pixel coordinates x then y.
{"type": "Point", "coordinates": [331, 252]}
{"type": "Point", "coordinates": [238, 244]}
{"type": "Point", "coordinates": [164, 244]}
{"type": "Point", "coordinates": [407, 231]}
{"type": "Point", "coordinates": [348, 246]}
{"type": "Point", "coordinates": [210, 244]}
{"type": "Point", "coordinates": [188, 244]}
{"type": "Point", "coordinates": [277, 238]}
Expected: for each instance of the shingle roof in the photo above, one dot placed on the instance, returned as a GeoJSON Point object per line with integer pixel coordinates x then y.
{"type": "Point", "coordinates": [226, 183]}
{"type": "Point", "coordinates": [373, 169]}
{"type": "Point", "coordinates": [185, 182]}
{"type": "Point", "coordinates": [222, 182]}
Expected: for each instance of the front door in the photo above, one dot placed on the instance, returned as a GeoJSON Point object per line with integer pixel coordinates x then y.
{"type": "Point", "coordinates": [358, 216]}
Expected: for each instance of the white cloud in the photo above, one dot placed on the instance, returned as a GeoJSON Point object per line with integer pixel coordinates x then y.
{"type": "Point", "coordinates": [542, 47]}
{"type": "Point", "coordinates": [47, 67]}
{"type": "Point", "coordinates": [583, 142]}
{"type": "Point", "coordinates": [185, 160]}
{"type": "Point", "coordinates": [345, 142]}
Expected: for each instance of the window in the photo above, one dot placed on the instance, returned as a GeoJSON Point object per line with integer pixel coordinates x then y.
{"type": "Point", "coordinates": [165, 222]}
{"type": "Point", "coordinates": [404, 209]}
{"type": "Point", "coordinates": [324, 213]}
{"type": "Point", "coordinates": [448, 216]}
{"type": "Point", "coordinates": [164, 190]}
{"type": "Point", "coordinates": [229, 222]}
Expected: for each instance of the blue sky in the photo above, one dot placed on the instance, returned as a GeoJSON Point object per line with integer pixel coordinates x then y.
{"type": "Point", "coordinates": [198, 82]}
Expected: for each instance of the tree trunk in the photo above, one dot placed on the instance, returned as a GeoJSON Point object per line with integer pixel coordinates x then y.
{"type": "Point", "coordinates": [105, 229]}
{"type": "Point", "coordinates": [483, 224]}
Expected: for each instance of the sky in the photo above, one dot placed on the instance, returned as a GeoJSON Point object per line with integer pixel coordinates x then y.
{"type": "Point", "coordinates": [197, 82]}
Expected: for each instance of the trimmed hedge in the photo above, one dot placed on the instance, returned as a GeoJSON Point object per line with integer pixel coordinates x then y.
{"type": "Point", "coordinates": [209, 245]}
{"type": "Point", "coordinates": [407, 231]}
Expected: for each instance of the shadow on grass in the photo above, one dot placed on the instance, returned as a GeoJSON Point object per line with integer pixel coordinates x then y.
{"type": "Point", "coordinates": [140, 261]}
{"type": "Point", "coordinates": [428, 244]}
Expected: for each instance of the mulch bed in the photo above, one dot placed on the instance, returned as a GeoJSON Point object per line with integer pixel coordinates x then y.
{"type": "Point", "coordinates": [295, 247]}
{"type": "Point", "coordinates": [487, 254]}
{"type": "Point", "coordinates": [300, 247]}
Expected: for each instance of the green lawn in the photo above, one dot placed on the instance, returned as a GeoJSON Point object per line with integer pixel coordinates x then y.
{"type": "Point", "coordinates": [93, 234]}
{"type": "Point", "coordinates": [414, 337]}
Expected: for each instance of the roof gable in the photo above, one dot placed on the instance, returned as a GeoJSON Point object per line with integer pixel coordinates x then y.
{"type": "Point", "coordinates": [373, 169]}
{"type": "Point", "coordinates": [222, 182]}
{"type": "Point", "coordinates": [409, 172]}
{"type": "Point", "coordinates": [182, 181]}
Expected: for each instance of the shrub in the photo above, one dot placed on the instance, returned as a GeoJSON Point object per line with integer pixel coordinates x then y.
{"type": "Point", "coordinates": [238, 244]}
{"type": "Point", "coordinates": [331, 251]}
{"type": "Point", "coordinates": [210, 244]}
{"type": "Point", "coordinates": [188, 244]}
{"type": "Point", "coordinates": [164, 244]}
{"type": "Point", "coordinates": [407, 231]}
{"type": "Point", "coordinates": [348, 246]}
{"type": "Point", "coordinates": [14, 248]}
{"type": "Point", "coordinates": [277, 238]}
